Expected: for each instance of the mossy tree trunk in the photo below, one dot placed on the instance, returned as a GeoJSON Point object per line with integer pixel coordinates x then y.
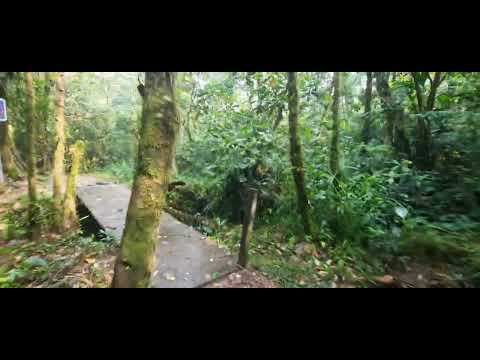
{"type": "Point", "coordinates": [335, 141]}
{"type": "Point", "coordinates": [395, 131]}
{"type": "Point", "coordinates": [7, 147]}
{"type": "Point", "coordinates": [158, 133]}
{"type": "Point", "coordinates": [367, 121]}
{"type": "Point", "coordinates": [32, 156]}
{"type": "Point", "coordinates": [296, 155]}
{"type": "Point", "coordinates": [423, 139]}
{"type": "Point", "coordinates": [59, 156]}
{"type": "Point", "coordinates": [43, 136]}
{"type": "Point", "coordinates": [70, 217]}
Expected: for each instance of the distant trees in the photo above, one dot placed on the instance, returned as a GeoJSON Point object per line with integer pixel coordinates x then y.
{"type": "Point", "coordinates": [425, 103]}
{"type": "Point", "coordinates": [159, 128]}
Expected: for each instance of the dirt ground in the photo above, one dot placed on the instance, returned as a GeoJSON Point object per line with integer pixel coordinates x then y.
{"type": "Point", "coordinates": [243, 279]}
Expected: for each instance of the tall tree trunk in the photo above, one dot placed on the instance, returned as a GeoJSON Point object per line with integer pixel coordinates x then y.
{"type": "Point", "coordinates": [32, 156]}
{"type": "Point", "coordinates": [335, 142]}
{"type": "Point", "coordinates": [367, 122]}
{"type": "Point", "coordinates": [70, 217]}
{"type": "Point", "coordinates": [158, 133]}
{"type": "Point", "coordinates": [7, 147]}
{"type": "Point", "coordinates": [395, 134]}
{"type": "Point", "coordinates": [423, 140]}
{"type": "Point", "coordinates": [296, 155]}
{"type": "Point", "coordinates": [43, 125]}
{"type": "Point", "coordinates": [436, 82]}
{"type": "Point", "coordinates": [59, 156]}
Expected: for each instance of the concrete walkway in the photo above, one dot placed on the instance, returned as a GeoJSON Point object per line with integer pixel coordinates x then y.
{"type": "Point", "coordinates": [185, 258]}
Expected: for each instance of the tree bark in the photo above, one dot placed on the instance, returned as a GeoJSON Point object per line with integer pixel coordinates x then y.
{"type": "Point", "coordinates": [296, 155]}
{"type": "Point", "coordinates": [251, 210]}
{"type": "Point", "coordinates": [437, 81]}
{"type": "Point", "coordinates": [59, 156]}
{"type": "Point", "coordinates": [70, 217]}
{"type": "Point", "coordinates": [159, 129]}
{"type": "Point", "coordinates": [7, 147]}
{"type": "Point", "coordinates": [423, 139]}
{"type": "Point", "coordinates": [335, 141]}
{"type": "Point", "coordinates": [32, 156]}
{"type": "Point", "coordinates": [367, 122]}
{"type": "Point", "coordinates": [395, 134]}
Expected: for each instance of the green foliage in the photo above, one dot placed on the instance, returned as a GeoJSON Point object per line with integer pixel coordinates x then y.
{"type": "Point", "coordinates": [18, 222]}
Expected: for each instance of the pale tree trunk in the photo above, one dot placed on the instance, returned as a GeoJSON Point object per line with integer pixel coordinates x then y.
{"type": "Point", "coordinates": [59, 156]}
{"type": "Point", "coordinates": [159, 129]}
{"type": "Point", "coordinates": [70, 216]}
{"type": "Point", "coordinates": [335, 142]}
{"type": "Point", "coordinates": [296, 155]}
{"type": "Point", "coordinates": [32, 156]}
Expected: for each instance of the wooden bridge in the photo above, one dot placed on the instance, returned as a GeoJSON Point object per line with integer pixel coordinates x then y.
{"type": "Point", "coordinates": [185, 258]}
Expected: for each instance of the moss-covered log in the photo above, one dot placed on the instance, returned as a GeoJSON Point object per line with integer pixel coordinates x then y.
{"type": "Point", "coordinates": [158, 133]}
{"type": "Point", "coordinates": [70, 217]}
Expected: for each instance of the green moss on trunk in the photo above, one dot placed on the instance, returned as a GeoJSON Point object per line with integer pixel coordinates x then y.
{"type": "Point", "coordinates": [70, 217]}
{"type": "Point", "coordinates": [296, 155]}
{"type": "Point", "coordinates": [59, 156]}
{"type": "Point", "coordinates": [156, 152]}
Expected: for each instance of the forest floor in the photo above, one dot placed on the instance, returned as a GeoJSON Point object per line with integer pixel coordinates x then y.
{"type": "Point", "coordinates": [70, 260]}
{"type": "Point", "coordinates": [73, 260]}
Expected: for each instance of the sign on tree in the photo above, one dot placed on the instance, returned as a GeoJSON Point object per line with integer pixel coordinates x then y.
{"type": "Point", "coordinates": [3, 110]}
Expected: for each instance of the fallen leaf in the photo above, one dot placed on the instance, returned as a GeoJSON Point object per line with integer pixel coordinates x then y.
{"type": "Point", "coordinates": [385, 280]}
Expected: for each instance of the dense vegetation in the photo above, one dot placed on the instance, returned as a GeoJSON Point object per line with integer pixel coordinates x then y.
{"type": "Point", "coordinates": [358, 174]}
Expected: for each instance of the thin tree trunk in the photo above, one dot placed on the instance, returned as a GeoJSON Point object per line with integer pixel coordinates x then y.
{"type": "Point", "coordinates": [70, 216]}
{"type": "Point", "coordinates": [251, 210]}
{"type": "Point", "coordinates": [335, 142]}
{"type": "Point", "coordinates": [32, 156]}
{"type": "Point", "coordinates": [437, 80]}
{"type": "Point", "coordinates": [367, 122]}
{"type": "Point", "coordinates": [418, 91]}
{"type": "Point", "coordinates": [44, 125]}
{"type": "Point", "coordinates": [158, 133]}
{"type": "Point", "coordinates": [296, 155]}
{"type": "Point", "coordinates": [59, 156]}
{"type": "Point", "coordinates": [2, 178]}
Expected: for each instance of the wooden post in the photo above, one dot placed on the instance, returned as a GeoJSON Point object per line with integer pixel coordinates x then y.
{"type": "Point", "coordinates": [248, 227]}
{"type": "Point", "coordinates": [2, 179]}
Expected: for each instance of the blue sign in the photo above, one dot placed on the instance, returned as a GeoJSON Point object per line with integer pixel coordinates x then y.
{"type": "Point", "coordinates": [3, 110]}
